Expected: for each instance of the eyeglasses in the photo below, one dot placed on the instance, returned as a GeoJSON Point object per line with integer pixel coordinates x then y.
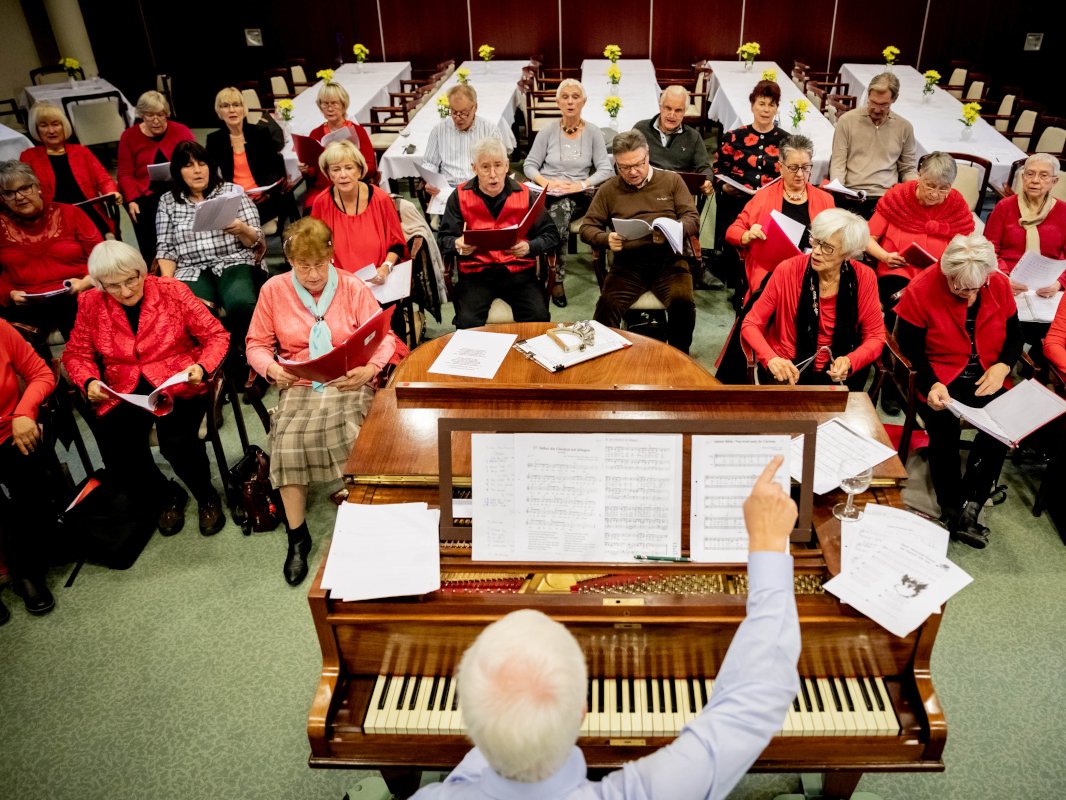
{"type": "Point", "coordinates": [329, 103]}
{"type": "Point", "coordinates": [307, 270]}
{"type": "Point", "coordinates": [461, 114]}
{"type": "Point", "coordinates": [129, 283]}
{"type": "Point", "coordinates": [880, 106]}
{"type": "Point", "coordinates": [966, 290]}
{"type": "Point", "coordinates": [631, 167]}
{"type": "Point", "coordinates": [26, 191]}
{"type": "Point", "coordinates": [826, 248]}
{"type": "Point", "coordinates": [229, 106]}
{"type": "Point", "coordinates": [794, 168]}
{"type": "Point", "coordinates": [153, 115]}
{"type": "Point", "coordinates": [933, 188]}
{"type": "Point", "coordinates": [1044, 176]}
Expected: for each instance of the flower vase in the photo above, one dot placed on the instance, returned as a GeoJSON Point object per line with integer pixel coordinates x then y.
{"type": "Point", "coordinates": [359, 66]}
{"type": "Point", "coordinates": [612, 88]}
{"type": "Point", "coordinates": [888, 66]}
{"type": "Point", "coordinates": [927, 96]}
{"type": "Point", "coordinates": [748, 65]}
{"type": "Point", "coordinates": [613, 122]}
{"type": "Point", "coordinates": [967, 132]}
{"type": "Point", "coordinates": [72, 82]}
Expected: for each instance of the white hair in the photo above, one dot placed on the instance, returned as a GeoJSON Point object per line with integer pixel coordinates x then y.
{"type": "Point", "coordinates": [522, 685]}
{"type": "Point", "coordinates": [853, 230]}
{"type": "Point", "coordinates": [680, 91]}
{"type": "Point", "coordinates": [969, 259]}
{"type": "Point", "coordinates": [569, 83]}
{"type": "Point", "coordinates": [1036, 159]}
{"type": "Point", "coordinates": [489, 147]}
{"type": "Point", "coordinates": [113, 260]}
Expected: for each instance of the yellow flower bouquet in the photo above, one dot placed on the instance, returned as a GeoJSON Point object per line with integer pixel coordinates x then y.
{"type": "Point", "coordinates": [444, 108]}
{"type": "Point", "coordinates": [360, 51]}
{"type": "Point", "coordinates": [463, 75]}
{"type": "Point", "coordinates": [486, 52]}
{"type": "Point", "coordinates": [748, 51]}
{"type": "Point", "coordinates": [932, 77]}
{"type": "Point", "coordinates": [799, 111]}
{"type": "Point", "coordinates": [613, 52]}
{"type": "Point", "coordinates": [614, 74]}
{"type": "Point", "coordinates": [70, 65]}
{"type": "Point", "coordinates": [285, 110]}
{"type": "Point", "coordinates": [891, 53]}
{"type": "Point", "coordinates": [769, 75]}
{"type": "Point", "coordinates": [612, 105]}
{"type": "Point", "coordinates": [325, 74]}
{"type": "Point", "coordinates": [971, 112]}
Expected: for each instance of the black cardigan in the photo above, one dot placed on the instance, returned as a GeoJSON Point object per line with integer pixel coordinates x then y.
{"type": "Point", "coordinates": [264, 158]}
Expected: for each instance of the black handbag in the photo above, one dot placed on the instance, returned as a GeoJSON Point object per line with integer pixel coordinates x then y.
{"type": "Point", "coordinates": [107, 524]}
{"type": "Point", "coordinates": [259, 505]}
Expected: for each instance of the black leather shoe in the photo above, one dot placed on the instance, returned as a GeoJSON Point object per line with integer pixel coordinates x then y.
{"type": "Point", "coordinates": [968, 530]}
{"type": "Point", "coordinates": [172, 515]}
{"type": "Point", "coordinates": [890, 405]}
{"type": "Point", "coordinates": [212, 519]}
{"type": "Point", "coordinates": [559, 295]}
{"type": "Point", "coordinates": [5, 615]}
{"type": "Point", "coordinates": [295, 569]}
{"type": "Point", "coordinates": [35, 595]}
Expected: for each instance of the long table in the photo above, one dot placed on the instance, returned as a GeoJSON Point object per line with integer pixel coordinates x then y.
{"type": "Point", "coordinates": [57, 92]}
{"type": "Point", "coordinates": [367, 84]}
{"type": "Point", "coordinates": [12, 143]}
{"type": "Point", "coordinates": [498, 96]}
{"type": "Point", "coordinates": [937, 118]}
{"type": "Point", "coordinates": [638, 90]}
{"type": "Point", "coordinates": [730, 87]}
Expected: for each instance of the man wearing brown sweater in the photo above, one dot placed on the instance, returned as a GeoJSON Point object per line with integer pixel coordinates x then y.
{"type": "Point", "coordinates": [640, 191]}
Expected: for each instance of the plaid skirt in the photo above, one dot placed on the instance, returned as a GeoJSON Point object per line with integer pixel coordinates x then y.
{"type": "Point", "coordinates": [312, 433]}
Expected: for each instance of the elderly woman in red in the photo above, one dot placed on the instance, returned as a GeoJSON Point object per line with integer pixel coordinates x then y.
{"type": "Point", "coordinates": [333, 102]}
{"type": "Point", "coordinates": [44, 247]}
{"type": "Point", "coordinates": [132, 334]}
{"type": "Point", "coordinates": [301, 315]}
{"type": "Point", "coordinates": [958, 325]}
{"type": "Point", "coordinates": [819, 320]}
{"type": "Point", "coordinates": [22, 469]}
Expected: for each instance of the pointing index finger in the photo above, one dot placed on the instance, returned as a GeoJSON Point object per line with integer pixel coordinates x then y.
{"type": "Point", "coordinates": [769, 471]}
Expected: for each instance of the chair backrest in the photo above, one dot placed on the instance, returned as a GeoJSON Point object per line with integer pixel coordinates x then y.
{"type": "Point", "coordinates": [838, 104]}
{"type": "Point", "coordinates": [252, 101]}
{"type": "Point", "coordinates": [164, 84]}
{"type": "Point", "coordinates": [96, 118]}
{"type": "Point", "coordinates": [279, 83]}
{"type": "Point", "coordinates": [8, 108]}
{"type": "Point", "coordinates": [972, 178]}
{"type": "Point", "coordinates": [53, 73]}
{"type": "Point", "coordinates": [1005, 110]}
{"type": "Point", "coordinates": [1058, 191]}
{"type": "Point", "coordinates": [298, 74]}
{"type": "Point", "coordinates": [1028, 116]}
{"type": "Point", "coordinates": [976, 91]}
{"type": "Point", "coordinates": [956, 83]}
{"type": "Point", "coordinates": [1052, 137]}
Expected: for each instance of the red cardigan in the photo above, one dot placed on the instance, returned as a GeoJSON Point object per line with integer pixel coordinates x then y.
{"type": "Point", "coordinates": [136, 151]}
{"type": "Point", "coordinates": [1055, 341]}
{"type": "Point", "coordinates": [18, 360]}
{"type": "Point", "coordinates": [769, 329]}
{"type": "Point", "coordinates": [38, 255]}
{"type": "Point", "coordinates": [928, 303]}
{"type": "Point", "coordinates": [175, 331]}
{"type": "Point", "coordinates": [89, 173]}
{"type": "Point", "coordinates": [772, 198]}
{"type": "Point", "coordinates": [1008, 236]}
{"type": "Point", "coordinates": [318, 183]}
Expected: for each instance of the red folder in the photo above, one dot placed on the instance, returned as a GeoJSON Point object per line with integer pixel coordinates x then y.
{"type": "Point", "coordinates": [693, 181]}
{"type": "Point", "coordinates": [776, 247]}
{"type": "Point", "coordinates": [354, 352]}
{"type": "Point", "coordinates": [506, 238]}
{"type": "Point", "coordinates": [918, 256]}
{"type": "Point", "coordinates": [307, 150]}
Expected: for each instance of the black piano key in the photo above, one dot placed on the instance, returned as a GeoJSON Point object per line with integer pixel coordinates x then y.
{"type": "Point", "coordinates": [433, 692]}
{"type": "Point", "coordinates": [673, 697]}
{"type": "Point", "coordinates": [796, 704]}
{"type": "Point", "coordinates": [632, 694]}
{"type": "Point", "coordinates": [703, 691]}
{"type": "Point", "coordinates": [603, 701]}
{"type": "Point", "coordinates": [662, 695]}
{"type": "Point", "coordinates": [444, 692]}
{"type": "Point", "coordinates": [403, 692]}
{"type": "Point", "coordinates": [846, 694]}
{"type": "Point", "coordinates": [836, 695]}
{"type": "Point", "coordinates": [455, 700]}
{"type": "Point", "coordinates": [414, 693]}
{"type": "Point", "coordinates": [877, 694]}
{"type": "Point", "coordinates": [588, 702]}
{"type": "Point", "coordinates": [384, 693]}
{"type": "Point", "coordinates": [806, 695]}
{"type": "Point", "coordinates": [618, 696]}
{"type": "Point", "coordinates": [817, 695]}
{"type": "Point", "coordinates": [691, 695]}
{"type": "Point", "coordinates": [865, 694]}
{"type": "Point", "coordinates": [651, 695]}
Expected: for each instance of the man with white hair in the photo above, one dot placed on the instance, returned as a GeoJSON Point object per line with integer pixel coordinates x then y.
{"type": "Point", "coordinates": [523, 686]}
{"type": "Point", "coordinates": [488, 201]}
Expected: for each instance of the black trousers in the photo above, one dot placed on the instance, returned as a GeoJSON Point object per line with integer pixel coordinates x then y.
{"type": "Point", "coordinates": [986, 453]}
{"type": "Point", "coordinates": [475, 291]}
{"type": "Point", "coordinates": [864, 208]}
{"type": "Point", "coordinates": [144, 227]}
{"type": "Point", "coordinates": [671, 282]}
{"type": "Point", "coordinates": [122, 434]}
{"type": "Point", "coordinates": [24, 515]}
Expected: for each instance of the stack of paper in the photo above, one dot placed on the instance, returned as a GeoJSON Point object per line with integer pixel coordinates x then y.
{"type": "Point", "coordinates": [383, 551]}
{"type": "Point", "coordinates": [894, 568]}
{"type": "Point", "coordinates": [397, 285]}
{"type": "Point", "coordinates": [835, 443]}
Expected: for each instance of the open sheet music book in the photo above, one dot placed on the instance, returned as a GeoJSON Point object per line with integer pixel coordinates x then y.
{"type": "Point", "coordinates": [740, 186]}
{"type": "Point", "coordinates": [157, 402]}
{"type": "Point", "coordinates": [397, 285]}
{"type": "Point", "coordinates": [1035, 271]}
{"type": "Point", "coordinates": [836, 186]}
{"type": "Point", "coordinates": [31, 296]}
{"type": "Point", "coordinates": [672, 229]}
{"type": "Point", "coordinates": [1014, 415]}
{"type": "Point", "coordinates": [217, 212]}
{"type": "Point", "coordinates": [506, 238]}
{"type": "Point", "coordinates": [552, 357]}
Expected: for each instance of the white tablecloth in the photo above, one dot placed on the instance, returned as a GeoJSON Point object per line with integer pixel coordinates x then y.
{"type": "Point", "coordinates": [730, 87]}
{"type": "Point", "coordinates": [498, 95]}
{"type": "Point", "coordinates": [56, 92]}
{"type": "Point", "coordinates": [367, 86]}
{"type": "Point", "coordinates": [638, 90]}
{"type": "Point", "coordinates": [936, 119]}
{"type": "Point", "coordinates": [12, 143]}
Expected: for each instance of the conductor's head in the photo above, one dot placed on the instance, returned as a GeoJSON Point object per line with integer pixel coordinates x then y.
{"type": "Point", "coordinates": [522, 685]}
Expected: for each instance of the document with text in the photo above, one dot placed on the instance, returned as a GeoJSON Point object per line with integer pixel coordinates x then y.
{"type": "Point", "coordinates": [473, 354]}
{"type": "Point", "coordinates": [835, 442]}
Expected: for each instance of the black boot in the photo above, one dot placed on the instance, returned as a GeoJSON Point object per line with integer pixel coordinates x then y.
{"type": "Point", "coordinates": [967, 529]}
{"type": "Point", "coordinates": [295, 569]}
{"type": "Point", "coordinates": [34, 593]}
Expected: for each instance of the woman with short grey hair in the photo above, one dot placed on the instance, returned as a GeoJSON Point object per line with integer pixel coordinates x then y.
{"type": "Point", "coordinates": [958, 326]}
{"type": "Point", "coordinates": [569, 159]}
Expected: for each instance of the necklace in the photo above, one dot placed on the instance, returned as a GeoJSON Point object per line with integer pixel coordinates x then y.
{"type": "Point", "coordinates": [573, 130]}
{"type": "Point", "coordinates": [795, 198]}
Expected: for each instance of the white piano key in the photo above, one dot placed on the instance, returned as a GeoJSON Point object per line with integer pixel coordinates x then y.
{"type": "Point", "coordinates": [836, 715]}
{"type": "Point", "coordinates": [821, 705]}
{"type": "Point", "coordinates": [658, 717]}
{"type": "Point", "coordinates": [595, 725]}
{"type": "Point", "coordinates": [371, 723]}
{"type": "Point", "coordinates": [852, 719]}
{"type": "Point", "coordinates": [588, 708]}
{"type": "Point", "coordinates": [811, 712]}
{"type": "Point", "coordinates": [793, 725]}
{"type": "Point", "coordinates": [681, 715]}
{"type": "Point", "coordinates": [452, 716]}
{"type": "Point", "coordinates": [644, 728]}
{"type": "Point", "coordinates": [624, 687]}
{"type": "Point", "coordinates": [437, 723]}
{"type": "Point", "coordinates": [864, 706]}
{"type": "Point", "coordinates": [433, 685]}
{"type": "Point", "coordinates": [891, 721]}
{"type": "Point", "coordinates": [392, 699]}
{"type": "Point", "coordinates": [612, 724]}
{"type": "Point", "coordinates": [693, 704]}
{"type": "Point", "coordinates": [414, 709]}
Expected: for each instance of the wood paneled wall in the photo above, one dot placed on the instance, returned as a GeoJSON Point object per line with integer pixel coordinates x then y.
{"type": "Point", "coordinates": [201, 42]}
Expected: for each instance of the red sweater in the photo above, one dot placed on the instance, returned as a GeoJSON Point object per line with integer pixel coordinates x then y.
{"type": "Point", "coordinates": [1055, 341]}
{"type": "Point", "coordinates": [318, 183]}
{"type": "Point", "coordinates": [136, 151]}
{"type": "Point", "coordinates": [38, 255]}
{"type": "Point", "coordinates": [175, 331]}
{"type": "Point", "coordinates": [361, 239]}
{"type": "Point", "coordinates": [769, 329]}
{"type": "Point", "coordinates": [1008, 236]}
{"type": "Point", "coordinates": [18, 360]}
{"type": "Point", "coordinates": [928, 303]}
{"type": "Point", "coordinates": [89, 173]}
{"type": "Point", "coordinates": [758, 209]}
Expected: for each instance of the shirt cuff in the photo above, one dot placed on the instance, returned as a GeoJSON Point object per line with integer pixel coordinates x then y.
{"type": "Point", "coordinates": [769, 570]}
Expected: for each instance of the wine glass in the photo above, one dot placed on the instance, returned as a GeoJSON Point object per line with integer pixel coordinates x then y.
{"type": "Point", "coordinates": [855, 478]}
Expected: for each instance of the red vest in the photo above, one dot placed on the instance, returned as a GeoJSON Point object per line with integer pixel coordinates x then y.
{"type": "Point", "coordinates": [477, 218]}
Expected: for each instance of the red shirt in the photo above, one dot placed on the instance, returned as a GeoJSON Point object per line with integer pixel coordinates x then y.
{"type": "Point", "coordinates": [1055, 341]}
{"type": "Point", "coordinates": [38, 255]}
{"type": "Point", "coordinates": [1008, 236]}
{"type": "Point", "coordinates": [364, 238]}
{"type": "Point", "coordinates": [18, 360]}
{"type": "Point", "coordinates": [136, 151]}
{"type": "Point", "coordinates": [769, 329]}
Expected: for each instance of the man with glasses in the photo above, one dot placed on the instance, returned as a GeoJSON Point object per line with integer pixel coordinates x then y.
{"type": "Point", "coordinates": [647, 264]}
{"type": "Point", "coordinates": [873, 149]}
{"type": "Point", "coordinates": [451, 142]}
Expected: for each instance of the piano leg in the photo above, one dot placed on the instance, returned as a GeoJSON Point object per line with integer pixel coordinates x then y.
{"type": "Point", "coordinates": [839, 784]}
{"type": "Point", "coordinates": [402, 781]}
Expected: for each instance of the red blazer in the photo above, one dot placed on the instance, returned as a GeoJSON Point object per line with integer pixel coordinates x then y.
{"type": "Point", "coordinates": [1055, 341]}
{"type": "Point", "coordinates": [772, 198]}
{"type": "Point", "coordinates": [136, 151]}
{"type": "Point", "coordinates": [769, 329]}
{"type": "Point", "coordinates": [89, 173]}
{"type": "Point", "coordinates": [18, 360]}
{"type": "Point", "coordinates": [1008, 237]}
{"type": "Point", "coordinates": [175, 331]}
{"type": "Point", "coordinates": [928, 303]}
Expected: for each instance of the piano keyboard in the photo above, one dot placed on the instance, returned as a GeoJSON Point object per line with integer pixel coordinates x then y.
{"type": "Point", "coordinates": [641, 707]}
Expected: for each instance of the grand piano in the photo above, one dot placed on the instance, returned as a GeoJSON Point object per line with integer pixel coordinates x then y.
{"type": "Point", "coordinates": [653, 636]}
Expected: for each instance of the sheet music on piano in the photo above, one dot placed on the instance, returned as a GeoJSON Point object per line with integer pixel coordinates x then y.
{"type": "Point", "coordinates": [724, 468]}
{"type": "Point", "coordinates": [575, 497]}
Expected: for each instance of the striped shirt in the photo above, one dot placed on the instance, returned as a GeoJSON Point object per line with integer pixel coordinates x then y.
{"type": "Point", "coordinates": [194, 252]}
{"type": "Point", "coordinates": [448, 150]}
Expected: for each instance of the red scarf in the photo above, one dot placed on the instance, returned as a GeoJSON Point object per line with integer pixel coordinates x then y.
{"type": "Point", "coordinates": [901, 208]}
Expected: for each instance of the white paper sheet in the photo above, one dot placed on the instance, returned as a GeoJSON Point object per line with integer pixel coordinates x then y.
{"type": "Point", "coordinates": [217, 212]}
{"type": "Point", "coordinates": [344, 134]}
{"type": "Point", "coordinates": [1034, 308]}
{"type": "Point", "coordinates": [397, 285]}
{"type": "Point", "coordinates": [435, 179]}
{"type": "Point", "coordinates": [735, 184]}
{"type": "Point", "coordinates": [792, 229]}
{"type": "Point", "coordinates": [724, 469]}
{"type": "Point", "coordinates": [898, 585]}
{"type": "Point", "coordinates": [383, 551]}
{"type": "Point", "coordinates": [473, 354]}
{"type": "Point", "coordinates": [149, 402]}
{"type": "Point", "coordinates": [836, 186]}
{"type": "Point", "coordinates": [261, 189]}
{"type": "Point", "coordinates": [835, 442]}
{"type": "Point", "coordinates": [880, 524]}
{"type": "Point", "coordinates": [159, 172]}
{"type": "Point", "coordinates": [1035, 271]}
{"type": "Point", "coordinates": [672, 229]}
